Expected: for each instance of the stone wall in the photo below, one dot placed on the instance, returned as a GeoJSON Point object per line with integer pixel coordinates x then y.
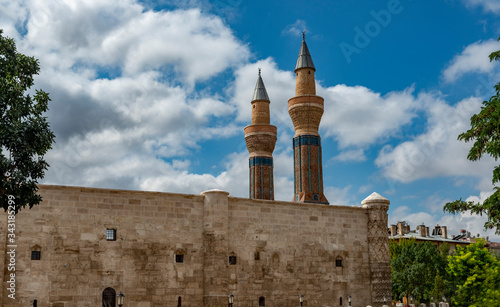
{"type": "Point", "coordinates": [281, 249]}
{"type": "Point", "coordinates": [286, 249]}
{"type": "Point", "coordinates": [78, 263]}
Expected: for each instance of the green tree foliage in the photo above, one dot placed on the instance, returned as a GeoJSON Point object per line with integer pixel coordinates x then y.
{"type": "Point", "coordinates": [25, 135]}
{"type": "Point", "coordinates": [439, 287]}
{"type": "Point", "coordinates": [485, 132]}
{"type": "Point", "coordinates": [475, 274]}
{"type": "Point", "coordinates": [414, 267]}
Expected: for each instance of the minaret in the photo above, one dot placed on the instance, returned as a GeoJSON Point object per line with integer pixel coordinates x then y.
{"type": "Point", "coordinates": [306, 109]}
{"type": "Point", "coordinates": [260, 137]}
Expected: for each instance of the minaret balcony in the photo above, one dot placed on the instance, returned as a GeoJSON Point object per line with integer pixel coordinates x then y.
{"type": "Point", "coordinates": [306, 112]}
{"type": "Point", "coordinates": [260, 139]}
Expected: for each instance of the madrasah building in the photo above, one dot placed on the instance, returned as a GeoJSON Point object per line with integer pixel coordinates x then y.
{"type": "Point", "coordinates": [83, 246]}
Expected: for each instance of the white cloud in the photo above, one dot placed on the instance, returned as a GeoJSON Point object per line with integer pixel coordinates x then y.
{"type": "Point", "coordinates": [120, 35]}
{"type": "Point", "coordinates": [436, 152]}
{"type": "Point", "coordinates": [357, 116]}
{"type": "Point", "coordinates": [136, 126]}
{"type": "Point", "coordinates": [473, 59]}
{"type": "Point", "coordinates": [403, 213]}
{"type": "Point", "coordinates": [121, 79]}
{"type": "Point", "coordinates": [234, 179]}
{"type": "Point", "coordinates": [340, 196]}
{"type": "Point", "coordinates": [280, 86]}
{"type": "Point", "coordinates": [182, 181]}
{"type": "Point", "coordinates": [488, 5]}
{"type": "Point", "coordinates": [354, 155]}
{"type": "Point", "coordinates": [126, 115]}
{"type": "Point", "coordinates": [296, 28]}
{"type": "Point", "coordinates": [364, 189]}
{"type": "Point", "coordinates": [11, 16]}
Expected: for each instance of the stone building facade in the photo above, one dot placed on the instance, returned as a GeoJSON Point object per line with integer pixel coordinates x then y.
{"type": "Point", "coordinates": [196, 248]}
{"type": "Point", "coordinates": [82, 246]}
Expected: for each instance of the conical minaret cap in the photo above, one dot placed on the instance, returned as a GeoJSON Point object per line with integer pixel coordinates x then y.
{"type": "Point", "coordinates": [260, 92]}
{"type": "Point", "coordinates": [304, 60]}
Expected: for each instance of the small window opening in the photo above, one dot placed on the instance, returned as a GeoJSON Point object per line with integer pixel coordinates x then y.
{"type": "Point", "coordinates": [232, 260]}
{"type": "Point", "coordinates": [340, 303]}
{"type": "Point", "coordinates": [309, 72]}
{"type": "Point", "coordinates": [179, 258]}
{"type": "Point", "coordinates": [315, 196]}
{"type": "Point", "coordinates": [35, 303]}
{"type": "Point", "coordinates": [338, 262]}
{"type": "Point", "coordinates": [256, 256]}
{"type": "Point", "coordinates": [262, 301]}
{"type": "Point", "coordinates": [179, 302]}
{"type": "Point", "coordinates": [36, 255]}
{"type": "Point", "coordinates": [111, 234]}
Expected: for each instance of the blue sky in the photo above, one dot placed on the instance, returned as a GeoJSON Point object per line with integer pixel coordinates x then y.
{"type": "Point", "coordinates": [154, 95]}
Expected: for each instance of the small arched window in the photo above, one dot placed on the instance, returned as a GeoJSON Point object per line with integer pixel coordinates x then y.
{"type": "Point", "coordinates": [36, 252]}
{"type": "Point", "coordinates": [35, 303]}
{"type": "Point", "coordinates": [179, 302]}
{"type": "Point", "coordinates": [179, 255]}
{"type": "Point", "coordinates": [262, 301]}
{"type": "Point", "coordinates": [339, 262]}
{"type": "Point", "coordinates": [340, 302]}
{"type": "Point", "coordinates": [109, 297]}
{"type": "Point", "coordinates": [256, 256]}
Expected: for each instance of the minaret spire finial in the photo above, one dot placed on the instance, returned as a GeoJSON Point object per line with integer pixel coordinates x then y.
{"type": "Point", "coordinates": [304, 60]}
{"type": "Point", "coordinates": [259, 71]}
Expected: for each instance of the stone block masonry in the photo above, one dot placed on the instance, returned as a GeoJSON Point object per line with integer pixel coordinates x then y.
{"type": "Point", "coordinates": [251, 248]}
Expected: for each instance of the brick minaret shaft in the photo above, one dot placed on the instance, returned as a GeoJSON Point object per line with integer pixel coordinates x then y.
{"type": "Point", "coordinates": [306, 109]}
{"type": "Point", "coordinates": [260, 137]}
